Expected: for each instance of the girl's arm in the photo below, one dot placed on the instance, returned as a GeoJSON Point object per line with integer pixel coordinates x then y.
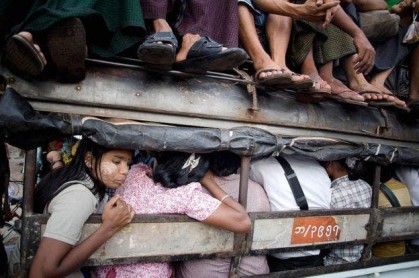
{"type": "Point", "coordinates": [230, 215]}
{"type": "Point", "coordinates": [55, 258]}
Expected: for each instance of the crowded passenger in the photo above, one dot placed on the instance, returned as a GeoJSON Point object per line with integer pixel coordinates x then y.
{"type": "Point", "coordinates": [348, 191]}
{"type": "Point", "coordinates": [208, 41]}
{"type": "Point", "coordinates": [174, 188]}
{"type": "Point", "coordinates": [405, 9]}
{"type": "Point", "coordinates": [224, 165]}
{"type": "Point", "coordinates": [280, 177]}
{"type": "Point", "coordinates": [57, 34]}
{"type": "Point", "coordinates": [410, 177]}
{"type": "Point", "coordinates": [393, 193]}
{"type": "Point", "coordinates": [70, 195]}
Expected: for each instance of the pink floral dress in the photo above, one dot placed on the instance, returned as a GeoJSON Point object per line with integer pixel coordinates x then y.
{"type": "Point", "coordinates": [146, 197]}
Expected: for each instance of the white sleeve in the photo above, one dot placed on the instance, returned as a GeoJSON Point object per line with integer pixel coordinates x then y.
{"type": "Point", "coordinates": [69, 211]}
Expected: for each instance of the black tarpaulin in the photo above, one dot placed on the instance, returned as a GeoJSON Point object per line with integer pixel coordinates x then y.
{"type": "Point", "coordinates": [23, 127]}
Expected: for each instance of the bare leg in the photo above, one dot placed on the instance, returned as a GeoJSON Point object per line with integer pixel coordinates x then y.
{"type": "Point", "coordinates": [379, 79]}
{"type": "Point", "coordinates": [278, 32]}
{"type": "Point", "coordinates": [357, 82]}
{"type": "Point", "coordinates": [161, 25]}
{"type": "Point", "coordinates": [250, 41]}
{"type": "Point", "coordinates": [309, 68]}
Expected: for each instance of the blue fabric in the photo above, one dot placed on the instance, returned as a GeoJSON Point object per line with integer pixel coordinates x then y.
{"type": "Point", "coordinates": [260, 17]}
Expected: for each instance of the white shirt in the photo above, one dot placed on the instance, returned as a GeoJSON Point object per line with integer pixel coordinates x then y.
{"type": "Point", "coordinates": [313, 179]}
{"type": "Point", "coordinates": [410, 177]}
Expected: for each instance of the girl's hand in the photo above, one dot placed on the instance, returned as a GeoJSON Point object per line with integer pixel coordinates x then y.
{"type": "Point", "coordinates": [117, 214]}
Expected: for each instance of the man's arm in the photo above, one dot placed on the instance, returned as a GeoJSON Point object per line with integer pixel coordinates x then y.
{"type": "Point", "coordinates": [366, 53]}
{"type": "Point", "coordinates": [311, 10]}
{"type": "Point", "coordinates": [370, 5]}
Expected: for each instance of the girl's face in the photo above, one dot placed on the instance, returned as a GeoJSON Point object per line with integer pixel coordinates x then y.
{"type": "Point", "coordinates": [113, 168]}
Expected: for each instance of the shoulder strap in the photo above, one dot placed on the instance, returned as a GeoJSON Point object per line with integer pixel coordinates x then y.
{"type": "Point", "coordinates": [390, 195]}
{"type": "Point", "coordinates": [292, 179]}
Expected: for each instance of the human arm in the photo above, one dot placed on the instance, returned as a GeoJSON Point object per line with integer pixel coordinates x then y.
{"type": "Point", "coordinates": [366, 53]}
{"type": "Point", "coordinates": [311, 10]}
{"type": "Point", "coordinates": [230, 215]}
{"type": "Point", "coordinates": [370, 5]}
{"type": "Point", "coordinates": [55, 258]}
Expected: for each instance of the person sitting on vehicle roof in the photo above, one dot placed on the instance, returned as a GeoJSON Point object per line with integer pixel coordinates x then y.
{"type": "Point", "coordinates": [224, 165]}
{"type": "Point", "coordinates": [63, 28]}
{"type": "Point", "coordinates": [382, 30]}
{"type": "Point", "coordinates": [272, 173]}
{"type": "Point", "coordinates": [71, 194]}
{"type": "Point", "coordinates": [405, 10]}
{"type": "Point", "coordinates": [348, 191]}
{"type": "Point", "coordinates": [271, 69]}
{"type": "Point", "coordinates": [175, 189]}
{"type": "Point", "coordinates": [204, 27]}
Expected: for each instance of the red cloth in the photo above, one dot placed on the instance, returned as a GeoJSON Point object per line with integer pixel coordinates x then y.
{"type": "Point", "coordinates": [217, 19]}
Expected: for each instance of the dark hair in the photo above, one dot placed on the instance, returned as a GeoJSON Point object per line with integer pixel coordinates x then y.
{"type": "Point", "coordinates": [46, 189]}
{"type": "Point", "coordinates": [169, 172]}
{"type": "Point", "coordinates": [356, 168]}
{"type": "Point", "coordinates": [224, 163]}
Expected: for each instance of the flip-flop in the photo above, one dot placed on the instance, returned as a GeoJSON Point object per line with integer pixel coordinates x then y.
{"type": "Point", "coordinates": [208, 55]}
{"type": "Point", "coordinates": [384, 103]}
{"type": "Point", "coordinates": [280, 78]}
{"type": "Point", "coordinates": [66, 42]}
{"type": "Point", "coordinates": [158, 49]}
{"type": "Point", "coordinates": [335, 96]}
{"type": "Point", "coordinates": [300, 85]}
{"type": "Point", "coordinates": [23, 58]}
{"type": "Point", "coordinates": [378, 102]}
{"type": "Point", "coordinates": [314, 94]}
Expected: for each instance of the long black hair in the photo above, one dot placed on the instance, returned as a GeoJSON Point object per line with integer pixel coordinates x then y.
{"type": "Point", "coordinates": [169, 172]}
{"type": "Point", "coordinates": [224, 163]}
{"type": "Point", "coordinates": [76, 170]}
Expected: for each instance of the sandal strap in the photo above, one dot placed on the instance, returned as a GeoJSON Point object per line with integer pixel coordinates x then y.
{"type": "Point", "coordinates": [166, 37]}
{"type": "Point", "coordinates": [204, 46]}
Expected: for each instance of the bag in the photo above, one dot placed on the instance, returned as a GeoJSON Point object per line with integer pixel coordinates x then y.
{"type": "Point", "coordinates": [379, 25]}
{"type": "Point", "coordinates": [412, 34]}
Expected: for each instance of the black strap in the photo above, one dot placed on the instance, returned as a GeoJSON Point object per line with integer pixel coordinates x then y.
{"type": "Point", "coordinates": [292, 179]}
{"type": "Point", "coordinates": [390, 195]}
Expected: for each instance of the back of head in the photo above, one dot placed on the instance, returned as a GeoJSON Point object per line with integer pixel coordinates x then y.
{"type": "Point", "coordinates": [175, 169]}
{"type": "Point", "coordinates": [355, 167]}
{"type": "Point", "coordinates": [47, 188]}
{"type": "Point", "coordinates": [224, 163]}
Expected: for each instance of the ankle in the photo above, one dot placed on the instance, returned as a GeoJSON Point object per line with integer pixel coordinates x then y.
{"type": "Point", "coordinates": [161, 25]}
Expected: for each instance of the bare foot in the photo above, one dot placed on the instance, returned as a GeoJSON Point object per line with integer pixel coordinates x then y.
{"type": "Point", "coordinates": [187, 41]}
{"type": "Point", "coordinates": [319, 83]}
{"type": "Point", "coordinates": [266, 63]}
{"type": "Point", "coordinates": [28, 36]}
{"type": "Point", "coordinates": [341, 90]}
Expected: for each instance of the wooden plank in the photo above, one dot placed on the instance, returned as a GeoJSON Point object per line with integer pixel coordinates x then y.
{"type": "Point", "coordinates": [278, 233]}
{"type": "Point", "coordinates": [161, 239]}
{"type": "Point", "coordinates": [400, 224]}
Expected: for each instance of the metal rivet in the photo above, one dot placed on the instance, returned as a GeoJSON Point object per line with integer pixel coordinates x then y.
{"type": "Point", "coordinates": [78, 88]}
{"type": "Point", "coordinates": [12, 80]}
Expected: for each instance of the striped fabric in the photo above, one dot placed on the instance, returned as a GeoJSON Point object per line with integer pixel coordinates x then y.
{"type": "Point", "coordinates": [112, 26]}
{"type": "Point", "coordinates": [217, 19]}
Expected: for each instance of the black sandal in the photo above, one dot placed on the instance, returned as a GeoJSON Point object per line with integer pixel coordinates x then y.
{"type": "Point", "coordinates": [158, 49]}
{"type": "Point", "coordinates": [23, 58]}
{"type": "Point", "coordinates": [208, 55]}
